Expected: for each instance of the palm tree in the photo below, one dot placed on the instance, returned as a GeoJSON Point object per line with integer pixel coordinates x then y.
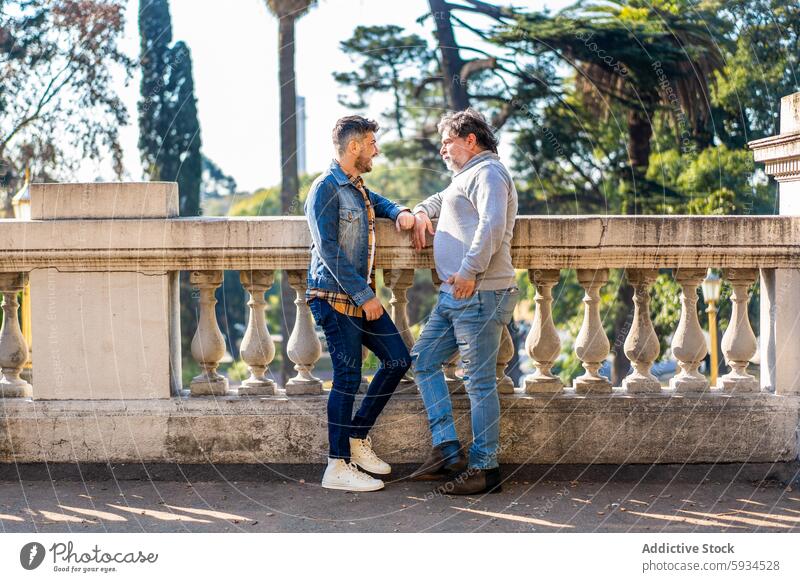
{"type": "Point", "coordinates": [287, 12]}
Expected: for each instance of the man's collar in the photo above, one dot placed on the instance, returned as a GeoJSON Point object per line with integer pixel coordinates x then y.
{"type": "Point", "coordinates": [477, 158]}
{"type": "Point", "coordinates": [338, 174]}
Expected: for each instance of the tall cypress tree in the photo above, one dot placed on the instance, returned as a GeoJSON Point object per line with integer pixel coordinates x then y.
{"type": "Point", "coordinates": [184, 132]}
{"type": "Point", "coordinates": [169, 131]}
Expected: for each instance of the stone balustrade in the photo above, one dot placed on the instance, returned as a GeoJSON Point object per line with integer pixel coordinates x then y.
{"type": "Point", "coordinates": [103, 262]}
{"type": "Point", "coordinates": [131, 249]}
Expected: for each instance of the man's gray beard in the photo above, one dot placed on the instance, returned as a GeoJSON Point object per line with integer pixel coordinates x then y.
{"type": "Point", "coordinates": [452, 166]}
{"type": "Point", "coordinates": [363, 165]}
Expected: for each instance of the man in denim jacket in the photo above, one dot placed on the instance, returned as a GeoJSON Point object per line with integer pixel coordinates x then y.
{"type": "Point", "coordinates": [472, 252]}
{"type": "Point", "coordinates": [341, 214]}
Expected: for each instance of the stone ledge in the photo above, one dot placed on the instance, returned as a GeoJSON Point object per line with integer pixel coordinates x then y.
{"type": "Point", "coordinates": [617, 429]}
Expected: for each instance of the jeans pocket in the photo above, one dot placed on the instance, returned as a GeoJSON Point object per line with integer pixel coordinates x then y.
{"type": "Point", "coordinates": [506, 301]}
{"type": "Point", "coordinates": [315, 305]}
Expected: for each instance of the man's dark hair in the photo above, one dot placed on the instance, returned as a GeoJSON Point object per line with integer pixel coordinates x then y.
{"type": "Point", "coordinates": [463, 123]}
{"type": "Point", "coordinates": [350, 128]}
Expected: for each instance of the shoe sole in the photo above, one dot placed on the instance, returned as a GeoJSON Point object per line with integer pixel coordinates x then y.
{"type": "Point", "coordinates": [443, 473]}
{"type": "Point", "coordinates": [351, 489]}
{"type": "Point", "coordinates": [496, 489]}
{"type": "Point", "coordinates": [363, 468]}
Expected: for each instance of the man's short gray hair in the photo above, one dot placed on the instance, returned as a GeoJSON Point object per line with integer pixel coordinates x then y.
{"type": "Point", "coordinates": [463, 123]}
{"type": "Point", "coordinates": [350, 128]}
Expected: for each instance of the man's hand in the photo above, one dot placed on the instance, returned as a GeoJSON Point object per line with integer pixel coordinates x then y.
{"type": "Point", "coordinates": [422, 225]}
{"type": "Point", "coordinates": [405, 221]}
{"type": "Point", "coordinates": [462, 288]}
{"type": "Point", "coordinates": [373, 309]}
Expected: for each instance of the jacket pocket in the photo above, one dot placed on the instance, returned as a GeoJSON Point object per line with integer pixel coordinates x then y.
{"type": "Point", "coordinates": [349, 215]}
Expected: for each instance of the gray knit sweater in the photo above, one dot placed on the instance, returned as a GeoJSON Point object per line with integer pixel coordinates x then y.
{"type": "Point", "coordinates": [476, 215]}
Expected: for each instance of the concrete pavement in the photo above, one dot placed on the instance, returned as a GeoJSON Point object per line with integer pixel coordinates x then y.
{"type": "Point", "coordinates": [288, 498]}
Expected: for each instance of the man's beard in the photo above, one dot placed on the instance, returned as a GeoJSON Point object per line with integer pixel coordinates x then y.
{"type": "Point", "coordinates": [363, 164]}
{"type": "Point", "coordinates": [451, 165]}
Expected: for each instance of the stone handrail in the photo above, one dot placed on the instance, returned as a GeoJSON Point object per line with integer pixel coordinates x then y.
{"type": "Point", "coordinates": [580, 242]}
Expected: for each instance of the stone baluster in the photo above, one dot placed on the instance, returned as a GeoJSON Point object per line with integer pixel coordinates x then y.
{"type": "Point", "coordinates": [543, 344]}
{"type": "Point", "coordinates": [208, 343]}
{"type": "Point", "coordinates": [591, 345]}
{"type": "Point", "coordinates": [399, 281]}
{"type": "Point", "coordinates": [739, 342]}
{"type": "Point", "coordinates": [641, 345]}
{"type": "Point", "coordinates": [13, 349]}
{"type": "Point", "coordinates": [505, 385]}
{"type": "Point", "coordinates": [257, 349]}
{"type": "Point", "coordinates": [455, 385]}
{"type": "Point", "coordinates": [689, 343]}
{"type": "Point", "coordinates": [304, 348]}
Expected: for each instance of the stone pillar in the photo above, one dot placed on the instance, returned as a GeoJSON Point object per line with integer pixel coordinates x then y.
{"type": "Point", "coordinates": [304, 348]}
{"type": "Point", "coordinates": [399, 281]}
{"type": "Point", "coordinates": [13, 349]}
{"type": "Point", "coordinates": [257, 349]}
{"type": "Point", "coordinates": [103, 334]}
{"type": "Point", "coordinates": [739, 341]}
{"type": "Point", "coordinates": [208, 343]}
{"type": "Point", "coordinates": [641, 345]}
{"type": "Point", "coordinates": [780, 289]}
{"type": "Point", "coordinates": [543, 344]}
{"type": "Point", "coordinates": [591, 345]}
{"type": "Point", "coordinates": [455, 385]}
{"type": "Point", "coordinates": [689, 343]}
{"type": "Point", "coordinates": [505, 352]}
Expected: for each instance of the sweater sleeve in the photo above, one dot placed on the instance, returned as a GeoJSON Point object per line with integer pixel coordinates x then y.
{"type": "Point", "coordinates": [432, 205]}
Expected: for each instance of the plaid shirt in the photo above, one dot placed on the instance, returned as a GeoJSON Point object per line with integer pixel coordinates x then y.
{"type": "Point", "coordinates": [341, 302]}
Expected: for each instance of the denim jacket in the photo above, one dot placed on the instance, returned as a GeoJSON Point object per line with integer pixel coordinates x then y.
{"type": "Point", "coordinates": [337, 218]}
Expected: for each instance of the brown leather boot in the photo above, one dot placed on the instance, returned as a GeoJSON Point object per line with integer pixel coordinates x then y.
{"type": "Point", "coordinates": [437, 466]}
{"type": "Point", "coordinates": [473, 482]}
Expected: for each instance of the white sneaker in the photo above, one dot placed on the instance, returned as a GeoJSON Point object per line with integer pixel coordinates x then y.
{"type": "Point", "coordinates": [361, 454]}
{"type": "Point", "coordinates": [345, 476]}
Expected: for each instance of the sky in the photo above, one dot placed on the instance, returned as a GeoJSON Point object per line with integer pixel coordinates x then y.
{"type": "Point", "coordinates": [235, 59]}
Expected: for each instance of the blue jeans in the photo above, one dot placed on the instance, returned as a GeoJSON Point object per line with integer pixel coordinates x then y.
{"type": "Point", "coordinates": [345, 335]}
{"type": "Point", "coordinates": [473, 327]}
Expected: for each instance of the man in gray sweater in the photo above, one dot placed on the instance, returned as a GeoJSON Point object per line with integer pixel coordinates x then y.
{"type": "Point", "coordinates": [472, 253]}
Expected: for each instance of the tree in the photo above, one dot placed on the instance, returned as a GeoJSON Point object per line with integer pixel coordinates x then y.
{"type": "Point", "coordinates": [216, 183]}
{"type": "Point", "coordinates": [760, 68]}
{"type": "Point", "coordinates": [382, 55]}
{"type": "Point", "coordinates": [456, 72]}
{"type": "Point", "coordinates": [57, 60]}
{"type": "Point", "coordinates": [287, 12]}
{"type": "Point", "coordinates": [640, 54]}
{"type": "Point", "coordinates": [169, 130]}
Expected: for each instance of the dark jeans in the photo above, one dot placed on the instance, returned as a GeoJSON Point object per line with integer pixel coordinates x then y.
{"type": "Point", "coordinates": [345, 335]}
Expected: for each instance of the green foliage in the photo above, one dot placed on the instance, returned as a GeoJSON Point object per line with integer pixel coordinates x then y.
{"type": "Point", "coordinates": [759, 70]}
{"type": "Point", "coordinates": [717, 180]}
{"type": "Point", "coordinates": [382, 55]}
{"type": "Point", "coordinates": [59, 105]}
{"type": "Point", "coordinates": [267, 201]}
